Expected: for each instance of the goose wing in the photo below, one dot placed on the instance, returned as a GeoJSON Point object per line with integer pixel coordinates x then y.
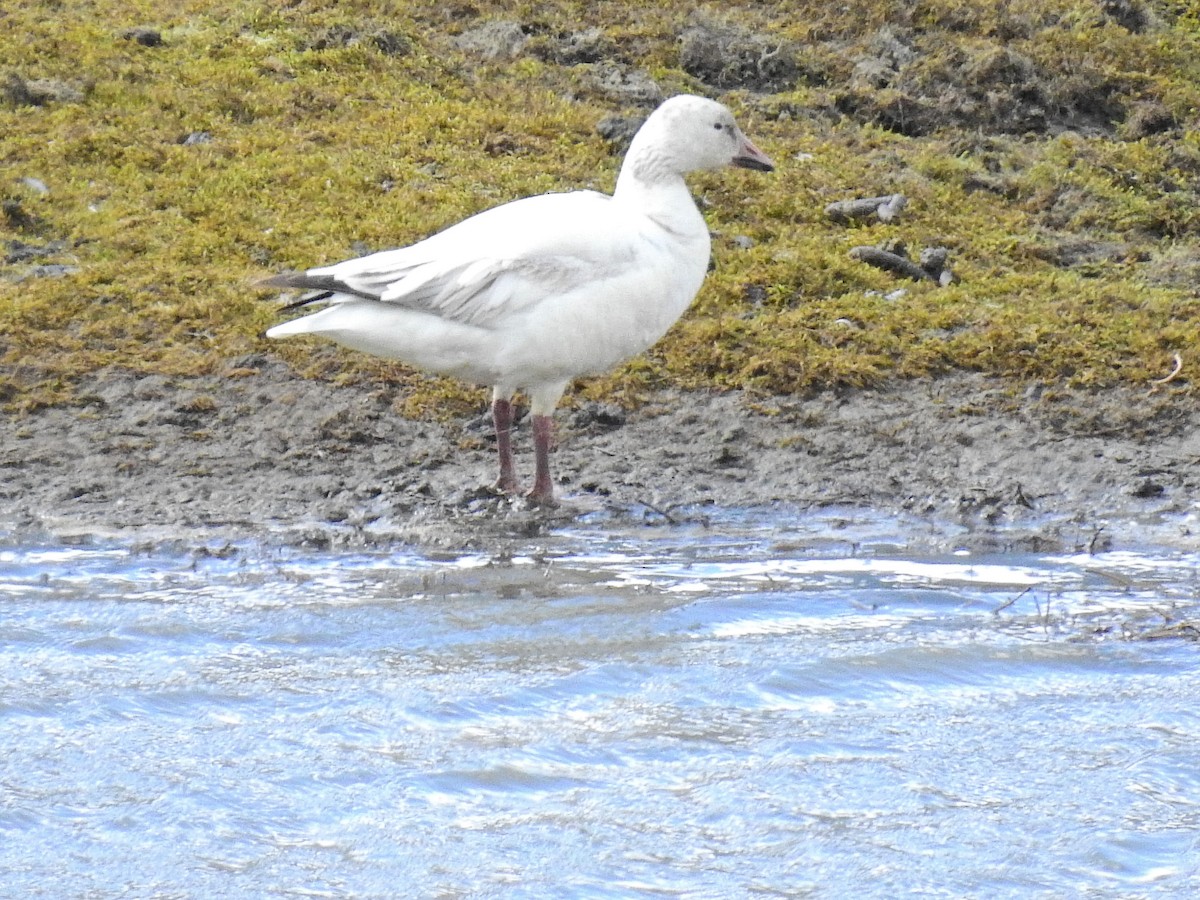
{"type": "Point", "coordinates": [494, 265]}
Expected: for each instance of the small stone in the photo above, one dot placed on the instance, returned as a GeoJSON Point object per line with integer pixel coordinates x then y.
{"type": "Point", "coordinates": [619, 130]}
{"type": "Point", "coordinates": [391, 43]}
{"type": "Point", "coordinates": [577, 48]}
{"type": "Point", "coordinates": [933, 260]}
{"type": "Point", "coordinates": [1148, 490]}
{"type": "Point", "coordinates": [52, 270]}
{"type": "Point", "coordinates": [625, 85]}
{"type": "Point", "coordinates": [599, 416]}
{"type": "Point", "coordinates": [147, 37]}
{"type": "Point", "coordinates": [497, 40]}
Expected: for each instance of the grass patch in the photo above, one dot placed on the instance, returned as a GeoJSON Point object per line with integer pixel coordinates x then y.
{"type": "Point", "coordinates": [146, 186]}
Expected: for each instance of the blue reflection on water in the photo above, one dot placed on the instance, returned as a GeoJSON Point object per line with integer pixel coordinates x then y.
{"type": "Point", "coordinates": [604, 712]}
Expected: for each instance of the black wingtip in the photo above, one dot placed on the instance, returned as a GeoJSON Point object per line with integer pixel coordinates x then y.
{"type": "Point", "coordinates": [306, 300]}
{"type": "Point", "coordinates": [285, 280]}
{"type": "Point", "coordinates": [322, 287]}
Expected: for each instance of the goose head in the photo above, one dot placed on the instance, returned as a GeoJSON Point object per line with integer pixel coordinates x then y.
{"type": "Point", "coordinates": [689, 133]}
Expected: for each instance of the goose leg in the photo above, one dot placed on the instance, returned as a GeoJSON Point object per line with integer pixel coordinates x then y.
{"type": "Point", "coordinates": [502, 417]}
{"type": "Point", "coordinates": [543, 491]}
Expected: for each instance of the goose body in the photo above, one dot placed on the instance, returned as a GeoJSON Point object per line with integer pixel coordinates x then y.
{"type": "Point", "coordinates": [534, 293]}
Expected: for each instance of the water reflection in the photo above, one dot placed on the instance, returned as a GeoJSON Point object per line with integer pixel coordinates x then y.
{"type": "Point", "coordinates": [603, 712]}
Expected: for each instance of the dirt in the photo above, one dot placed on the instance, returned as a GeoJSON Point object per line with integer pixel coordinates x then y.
{"type": "Point", "coordinates": [727, 57]}
{"type": "Point", "coordinates": [910, 79]}
{"type": "Point", "coordinates": [257, 452]}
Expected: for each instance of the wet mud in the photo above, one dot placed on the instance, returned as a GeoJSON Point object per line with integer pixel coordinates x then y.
{"type": "Point", "coordinates": [260, 452]}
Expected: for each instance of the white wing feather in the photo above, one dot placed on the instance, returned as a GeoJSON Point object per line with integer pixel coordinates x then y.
{"type": "Point", "coordinates": [502, 261]}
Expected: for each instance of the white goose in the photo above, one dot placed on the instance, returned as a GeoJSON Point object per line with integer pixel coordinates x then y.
{"type": "Point", "coordinates": [534, 293]}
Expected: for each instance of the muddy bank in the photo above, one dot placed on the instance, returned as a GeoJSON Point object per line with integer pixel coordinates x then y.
{"type": "Point", "coordinates": [258, 452]}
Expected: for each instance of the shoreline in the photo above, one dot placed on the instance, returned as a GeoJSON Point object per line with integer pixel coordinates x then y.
{"type": "Point", "coordinates": [273, 457]}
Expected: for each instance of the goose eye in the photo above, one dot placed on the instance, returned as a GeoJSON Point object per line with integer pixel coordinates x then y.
{"type": "Point", "coordinates": [718, 126]}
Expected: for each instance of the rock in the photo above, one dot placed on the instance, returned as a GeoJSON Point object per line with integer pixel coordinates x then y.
{"type": "Point", "coordinates": [598, 417]}
{"type": "Point", "coordinates": [871, 74]}
{"type": "Point", "coordinates": [619, 130]}
{"type": "Point", "coordinates": [728, 57]}
{"type": "Point", "coordinates": [587, 46]}
{"type": "Point", "coordinates": [497, 40]}
{"type": "Point", "coordinates": [620, 84]}
{"type": "Point", "coordinates": [147, 37]}
{"type": "Point", "coordinates": [19, 251]}
{"type": "Point", "coordinates": [1146, 118]}
{"type": "Point", "coordinates": [17, 216]}
{"type": "Point", "coordinates": [933, 261]}
{"type": "Point", "coordinates": [1148, 490]}
{"type": "Point", "coordinates": [389, 43]}
{"type": "Point", "coordinates": [1131, 15]}
{"type": "Point", "coordinates": [52, 270]}
{"type": "Point", "coordinates": [889, 52]}
{"type": "Point", "coordinates": [39, 91]}
{"type": "Point", "coordinates": [992, 87]}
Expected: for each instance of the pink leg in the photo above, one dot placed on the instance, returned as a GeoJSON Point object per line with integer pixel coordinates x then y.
{"type": "Point", "coordinates": [502, 416]}
{"type": "Point", "coordinates": [543, 491]}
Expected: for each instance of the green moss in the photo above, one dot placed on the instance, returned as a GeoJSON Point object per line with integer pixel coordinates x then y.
{"type": "Point", "coordinates": [310, 141]}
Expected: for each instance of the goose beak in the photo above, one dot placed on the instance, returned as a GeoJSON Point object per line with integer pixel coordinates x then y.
{"type": "Point", "coordinates": [750, 157]}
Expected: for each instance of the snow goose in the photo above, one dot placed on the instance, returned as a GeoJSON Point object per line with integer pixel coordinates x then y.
{"type": "Point", "coordinates": [534, 293]}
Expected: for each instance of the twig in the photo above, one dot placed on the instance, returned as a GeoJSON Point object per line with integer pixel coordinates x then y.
{"type": "Point", "coordinates": [1114, 577]}
{"type": "Point", "coordinates": [671, 520]}
{"type": "Point", "coordinates": [1184, 630]}
{"type": "Point", "coordinates": [891, 262]}
{"type": "Point", "coordinates": [1022, 499]}
{"type": "Point", "coordinates": [1174, 372]}
{"type": "Point", "coordinates": [887, 209]}
{"type": "Point", "coordinates": [1005, 605]}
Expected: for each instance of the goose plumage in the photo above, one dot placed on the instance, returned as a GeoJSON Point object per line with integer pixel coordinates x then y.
{"type": "Point", "coordinates": [539, 291]}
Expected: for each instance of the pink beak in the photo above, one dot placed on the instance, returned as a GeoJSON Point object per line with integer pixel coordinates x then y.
{"type": "Point", "coordinates": [750, 157]}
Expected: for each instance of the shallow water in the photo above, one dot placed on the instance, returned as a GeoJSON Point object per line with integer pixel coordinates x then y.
{"type": "Point", "coordinates": [763, 705]}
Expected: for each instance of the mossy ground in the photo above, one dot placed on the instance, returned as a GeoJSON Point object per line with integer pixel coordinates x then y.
{"type": "Point", "coordinates": [1050, 146]}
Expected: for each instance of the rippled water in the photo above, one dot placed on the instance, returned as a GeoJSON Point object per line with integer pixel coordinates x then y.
{"type": "Point", "coordinates": [757, 707]}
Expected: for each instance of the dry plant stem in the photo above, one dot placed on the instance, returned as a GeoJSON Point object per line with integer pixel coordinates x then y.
{"type": "Point", "coordinates": [887, 209]}
{"type": "Point", "coordinates": [1178, 358]}
{"type": "Point", "coordinates": [891, 262]}
{"type": "Point", "coordinates": [672, 520]}
{"type": "Point", "coordinates": [1007, 603]}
